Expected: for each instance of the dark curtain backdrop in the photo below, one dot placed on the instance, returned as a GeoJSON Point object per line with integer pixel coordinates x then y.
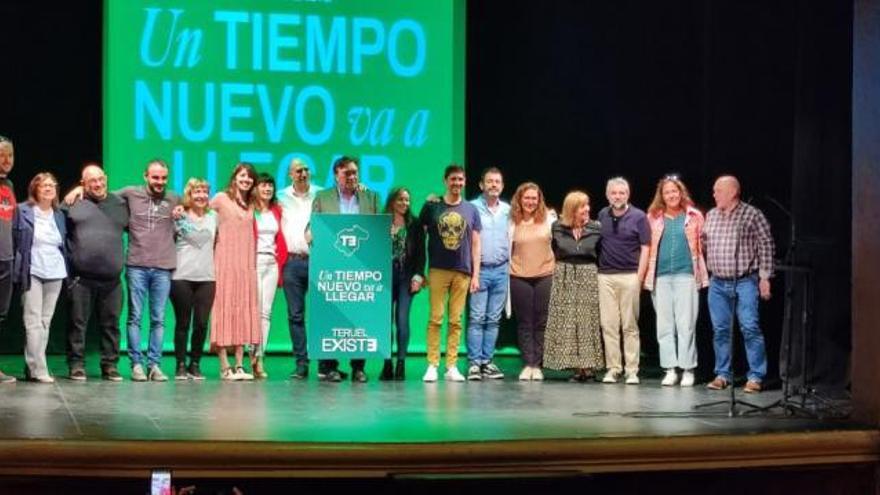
{"type": "Point", "coordinates": [569, 93]}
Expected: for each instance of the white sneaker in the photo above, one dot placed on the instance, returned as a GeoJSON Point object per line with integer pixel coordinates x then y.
{"type": "Point", "coordinates": [430, 374]}
{"type": "Point", "coordinates": [687, 378]}
{"type": "Point", "coordinates": [670, 379]}
{"type": "Point", "coordinates": [632, 379]}
{"type": "Point", "coordinates": [241, 374]}
{"type": "Point", "coordinates": [526, 374]}
{"type": "Point", "coordinates": [611, 376]}
{"type": "Point", "coordinates": [156, 375]}
{"type": "Point", "coordinates": [137, 373]}
{"type": "Point", "coordinates": [537, 375]}
{"type": "Point", "coordinates": [453, 375]}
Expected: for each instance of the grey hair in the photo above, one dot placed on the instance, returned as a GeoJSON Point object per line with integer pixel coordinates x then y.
{"type": "Point", "coordinates": [617, 181]}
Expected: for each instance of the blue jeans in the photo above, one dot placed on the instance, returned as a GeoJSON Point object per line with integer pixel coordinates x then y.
{"type": "Point", "coordinates": [401, 299]}
{"type": "Point", "coordinates": [142, 282]}
{"type": "Point", "coordinates": [485, 313]}
{"type": "Point", "coordinates": [721, 300]}
{"type": "Point", "coordinates": [676, 303]}
{"type": "Point", "coordinates": [296, 284]}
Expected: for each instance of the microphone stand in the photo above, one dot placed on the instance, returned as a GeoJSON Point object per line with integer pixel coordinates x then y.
{"type": "Point", "coordinates": [804, 276]}
{"type": "Point", "coordinates": [732, 401]}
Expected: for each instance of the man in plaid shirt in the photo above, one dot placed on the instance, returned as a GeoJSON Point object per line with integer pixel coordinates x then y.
{"type": "Point", "coordinates": [739, 255]}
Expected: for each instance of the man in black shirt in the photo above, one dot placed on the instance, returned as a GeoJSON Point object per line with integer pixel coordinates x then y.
{"type": "Point", "coordinates": [95, 226]}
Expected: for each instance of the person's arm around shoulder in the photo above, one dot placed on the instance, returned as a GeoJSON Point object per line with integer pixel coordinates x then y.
{"type": "Point", "coordinates": [72, 196]}
{"type": "Point", "coordinates": [217, 201]}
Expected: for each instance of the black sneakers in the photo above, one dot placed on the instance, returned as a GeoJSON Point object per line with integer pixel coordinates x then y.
{"type": "Point", "coordinates": [110, 373]}
{"type": "Point", "coordinates": [301, 373]}
{"type": "Point", "coordinates": [194, 372]}
{"type": "Point", "coordinates": [180, 373]}
{"type": "Point", "coordinates": [77, 374]}
{"type": "Point", "coordinates": [491, 371]}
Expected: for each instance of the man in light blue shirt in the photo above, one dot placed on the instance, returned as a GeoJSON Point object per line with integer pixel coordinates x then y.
{"type": "Point", "coordinates": [488, 301]}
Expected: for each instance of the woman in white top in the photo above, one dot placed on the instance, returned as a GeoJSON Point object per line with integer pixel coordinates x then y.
{"type": "Point", "coordinates": [40, 268]}
{"type": "Point", "coordinates": [271, 256]}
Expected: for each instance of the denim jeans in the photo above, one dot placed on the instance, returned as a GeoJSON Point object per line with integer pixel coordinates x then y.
{"type": "Point", "coordinates": [154, 283]}
{"type": "Point", "coordinates": [401, 299]}
{"type": "Point", "coordinates": [296, 283]}
{"type": "Point", "coordinates": [676, 302]}
{"type": "Point", "coordinates": [722, 294]}
{"type": "Point", "coordinates": [485, 313]}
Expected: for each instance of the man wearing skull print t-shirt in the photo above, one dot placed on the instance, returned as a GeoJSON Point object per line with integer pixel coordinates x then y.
{"type": "Point", "coordinates": [453, 227]}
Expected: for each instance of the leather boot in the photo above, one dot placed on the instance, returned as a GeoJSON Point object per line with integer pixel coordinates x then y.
{"type": "Point", "coordinates": [387, 371]}
{"type": "Point", "coordinates": [400, 370]}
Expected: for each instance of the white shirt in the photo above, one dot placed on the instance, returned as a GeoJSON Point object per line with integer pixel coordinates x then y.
{"type": "Point", "coordinates": [267, 228]}
{"type": "Point", "coordinates": [297, 213]}
{"type": "Point", "coordinates": [47, 262]}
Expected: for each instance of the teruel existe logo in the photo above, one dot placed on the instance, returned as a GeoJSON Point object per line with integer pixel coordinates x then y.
{"type": "Point", "coordinates": [349, 240]}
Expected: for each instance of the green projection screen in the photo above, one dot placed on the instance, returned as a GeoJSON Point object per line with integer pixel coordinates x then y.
{"type": "Point", "coordinates": [204, 85]}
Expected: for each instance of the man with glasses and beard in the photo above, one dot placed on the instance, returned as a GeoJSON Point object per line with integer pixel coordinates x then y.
{"type": "Point", "coordinates": [623, 261]}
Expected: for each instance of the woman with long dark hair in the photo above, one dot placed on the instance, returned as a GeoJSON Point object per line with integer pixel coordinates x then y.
{"type": "Point", "coordinates": [235, 322]}
{"type": "Point", "coordinates": [271, 256]}
{"type": "Point", "coordinates": [408, 264]}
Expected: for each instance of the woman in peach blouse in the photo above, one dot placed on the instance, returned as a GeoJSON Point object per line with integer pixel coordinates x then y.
{"type": "Point", "coordinates": [531, 274]}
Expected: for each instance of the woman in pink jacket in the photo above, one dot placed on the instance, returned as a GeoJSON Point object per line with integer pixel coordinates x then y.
{"type": "Point", "coordinates": [676, 272]}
